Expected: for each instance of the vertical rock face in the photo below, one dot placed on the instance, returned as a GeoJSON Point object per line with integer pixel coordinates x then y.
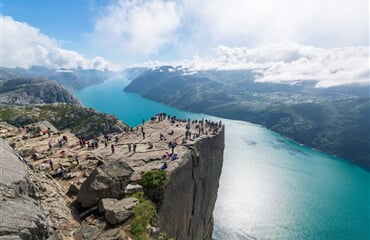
{"type": "Point", "coordinates": [190, 195]}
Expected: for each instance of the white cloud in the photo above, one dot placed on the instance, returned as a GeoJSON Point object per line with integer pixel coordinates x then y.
{"type": "Point", "coordinates": [24, 46]}
{"type": "Point", "coordinates": [329, 23]}
{"type": "Point", "coordinates": [134, 29]}
{"type": "Point", "coordinates": [288, 63]}
{"type": "Point", "coordinates": [140, 30]}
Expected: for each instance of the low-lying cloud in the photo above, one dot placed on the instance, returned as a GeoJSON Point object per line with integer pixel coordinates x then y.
{"type": "Point", "coordinates": [24, 46]}
{"type": "Point", "coordinates": [290, 63]}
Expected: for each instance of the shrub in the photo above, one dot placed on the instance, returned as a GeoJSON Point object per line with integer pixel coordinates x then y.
{"type": "Point", "coordinates": [153, 179]}
{"type": "Point", "coordinates": [145, 213]}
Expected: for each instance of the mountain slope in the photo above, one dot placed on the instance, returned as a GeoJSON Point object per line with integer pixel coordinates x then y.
{"type": "Point", "coordinates": [34, 91]}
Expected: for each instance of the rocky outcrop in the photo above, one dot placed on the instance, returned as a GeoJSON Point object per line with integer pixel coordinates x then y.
{"type": "Point", "coordinates": [190, 195]}
{"type": "Point", "coordinates": [117, 211]}
{"type": "Point", "coordinates": [107, 181]}
{"type": "Point", "coordinates": [65, 194]}
{"type": "Point", "coordinates": [20, 216]}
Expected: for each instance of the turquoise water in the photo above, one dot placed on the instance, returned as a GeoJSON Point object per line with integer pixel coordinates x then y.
{"type": "Point", "coordinates": [270, 187]}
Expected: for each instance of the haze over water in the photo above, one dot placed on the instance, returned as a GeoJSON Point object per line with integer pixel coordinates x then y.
{"type": "Point", "coordinates": [270, 187]}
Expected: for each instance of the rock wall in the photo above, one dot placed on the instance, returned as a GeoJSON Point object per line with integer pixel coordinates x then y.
{"type": "Point", "coordinates": [186, 212]}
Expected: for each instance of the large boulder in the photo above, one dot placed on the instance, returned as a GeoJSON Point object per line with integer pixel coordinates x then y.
{"type": "Point", "coordinates": [118, 211]}
{"type": "Point", "coordinates": [107, 181]}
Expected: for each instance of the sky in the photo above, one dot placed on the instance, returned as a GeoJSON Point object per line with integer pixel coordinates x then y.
{"type": "Point", "coordinates": [283, 40]}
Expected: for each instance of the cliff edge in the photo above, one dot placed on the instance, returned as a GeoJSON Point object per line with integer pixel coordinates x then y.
{"type": "Point", "coordinates": [191, 192]}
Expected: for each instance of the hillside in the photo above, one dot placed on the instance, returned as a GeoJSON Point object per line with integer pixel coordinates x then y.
{"type": "Point", "coordinates": [70, 78]}
{"type": "Point", "coordinates": [34, 91]}
{"type": "Point", "coordinates": [334, 120]}
{"type": "Point", "coordinates": [79, 120]}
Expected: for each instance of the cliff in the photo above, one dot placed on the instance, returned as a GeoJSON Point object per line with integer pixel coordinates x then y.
{"type": "Point", "coordinates": [99, 189]}
{"type": "Point", "coordinates": [191, 192]}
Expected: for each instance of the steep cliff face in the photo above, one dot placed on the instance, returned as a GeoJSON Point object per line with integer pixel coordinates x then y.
{"type": "Point", "coordinates": [190, 195]}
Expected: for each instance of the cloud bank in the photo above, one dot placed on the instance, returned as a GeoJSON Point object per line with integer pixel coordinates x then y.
{"type": "Point", "coordinates": [288, 63]}
{"type": "Point", "coordinates": [23, 46]}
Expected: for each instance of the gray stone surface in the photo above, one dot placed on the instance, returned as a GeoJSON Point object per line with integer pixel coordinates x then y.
{"type": "Point", "coordinates": [12, 170]}
{"type": "Point", "coordinates": [22, 218]}
{"type": "Point", "coordinates": [190, 195]}
{"type": "Point", "coordinates": [117, 211]}
{"type": "Point", "coordinates": [107, 181]}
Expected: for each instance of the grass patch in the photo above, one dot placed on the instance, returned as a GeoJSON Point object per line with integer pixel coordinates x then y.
{"type": "Point", "coordinates": [145, 213]}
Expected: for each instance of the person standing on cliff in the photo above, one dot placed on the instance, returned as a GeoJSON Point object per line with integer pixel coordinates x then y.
{"type": "Point", "coordinates": [129, 147]}
{"type": "Point", "coordinates": [51, 164]}
{"type": "Point", "coordinates": [112, 147]}
{"type": "Point", "coordinates": [134, 147]}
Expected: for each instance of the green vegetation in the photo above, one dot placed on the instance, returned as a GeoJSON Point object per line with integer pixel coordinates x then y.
{"type": "Point", "coordinates": [145, 213]}
{"type": "Point", "coordinates": [153, 182]}
{"type": "Point", "coordinates": [79, 120]}
{"type": "Point", "coordinates": [153, 179]}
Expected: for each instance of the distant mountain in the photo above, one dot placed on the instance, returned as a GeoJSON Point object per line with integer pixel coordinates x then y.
{"type": "Point", "coordinates": [71, 78]}
{"type": "Point", "coordinates": [334, 120]}
{"type": "Point", "coordinates": [34, 91]}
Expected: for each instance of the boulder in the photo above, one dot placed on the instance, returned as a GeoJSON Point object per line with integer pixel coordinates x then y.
{"type": "Point", "coordinates": [73, 189]}
{"type": "Point", "coordinates": [133, 188]}
{"type": "Point", "coordinates": [27, 152]}
{"type": "Point", "coordinates": [107, 181]}
{"type": "Point", "coordinates": [118, 211]}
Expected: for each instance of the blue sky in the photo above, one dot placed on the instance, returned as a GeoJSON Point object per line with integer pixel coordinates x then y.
{"type": "Point", "coordinates": [103, 33]}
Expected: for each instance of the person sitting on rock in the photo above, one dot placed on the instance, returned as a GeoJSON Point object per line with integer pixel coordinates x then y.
{"type": "Point", "coordinates": [62, 171]}
{"type": "Point", "coordinates": [164, 166]}
{"type": "Point", "coordinates": [174, 157]}
{"type": "Point", "coordinates": [62, 153]}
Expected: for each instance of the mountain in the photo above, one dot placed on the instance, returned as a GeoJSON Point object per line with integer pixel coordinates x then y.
{"type": "Point", "coordinates": [334, 120]}
{"type": "Point", "coordinates": [71, 78]}
{"type": "Point", "coordinates": [34, 91]}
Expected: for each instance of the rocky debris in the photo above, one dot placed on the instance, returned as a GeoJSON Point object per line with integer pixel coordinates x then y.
{"type": "Point", "coordinates": [117, 211]}
{"type": "Point", "coordinates": [113, 234]}
{"type": "Point", "coordinates": [107, 181]}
